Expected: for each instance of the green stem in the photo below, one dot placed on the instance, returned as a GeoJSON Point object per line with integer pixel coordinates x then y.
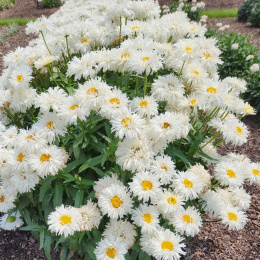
{"type": "Point", "coordinates": [120, 31]}
{"type": "Point", "coordinates": [136, 86]}
{"type": "Point", "coordinates": [181, 69]}
{"type": "Point", "coordinates": [145, 83]}
{"type": "Point", "coordinates": [67, 44]}
{"type": "Point", "coordinates": [214, 137]}
{"type": "Point", "coordinates": [49, 70]}
{"type": "Point", "coordinates": [82, 128]}
{"type": "Point", "coordinates": [45, 42]}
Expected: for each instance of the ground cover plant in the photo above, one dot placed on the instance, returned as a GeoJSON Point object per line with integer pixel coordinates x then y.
{"type": "Point", "coordinates": [6, 4]}
{"type": "Point", "coordinates": [249, 11]}
{"type": "Point", "coordinates": [109, 122]}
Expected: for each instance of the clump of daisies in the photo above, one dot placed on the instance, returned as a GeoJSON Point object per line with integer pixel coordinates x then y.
{"type": "Point", "coordinates": [110, 120]}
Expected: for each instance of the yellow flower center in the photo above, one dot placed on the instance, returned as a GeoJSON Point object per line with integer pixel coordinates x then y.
{"type": "Point", "coordinates": [167, 246]}
{"type": "Point", "coordinates": [50, 125]}
{"type": "Point", "coordinates": [192, 29]}
{"type": "Point", "coordinates": [93, 91]}
{"type": "Point", "coordinates": [196, 72]}
{"type": "Point", "coordinates": [126, 122]}
{"type": "Point", "coordinates": [65, 220]}
{"type": "Point", "coordinates": [111, 252]}
{"type": "Point", "coordinates": [172, 200]}
{"type": "Point", "coordinates": [189, 49]}
{"type": "Point", "coordinates": [147, 185]}
{"type": "Point", "coordinates": [73, 107]}
{"type": "Point", "coordinates": [231, 174]}
{"type": "Point", "coordinates": [144, 59]}
{"type": "Point", "coordinates": [187, 218]}
{"type": "Point", "coordinates": [45, 157]}
{"type": "Point", "coordinates": [239, 131]}
{"type": "Point", "coordinates": [164, 167]}
{"type": "Point", "coordinates": [188, 183]}
{"type": "Point", "coordinates": [116, 202]}
{"type": "Point", "coordinates": [2, 198]}
{"type": "Point", "coordinates": [170, 85]}
{"type": "Point", "coordinates": [143, 103]}
{"type": "Point", "coordinates": [135, 27]}
{"type": "Point", "coordinates": [114, 100]}
{"type": "Point", "coordinates": [192, 102]}
{"type": "Point", "coordinates": [20, 157]}
{"type": "Point", "coordinates": [255, 172]}
{"type": "Point", "coordinates": [125, 56]}
{"type": "Point", "coordinates": [147, 217]}
{"type": "Point", "coordinates": [84, 41]}
{"type": "Point", "coordinates": [30, 137]}
{"type": "Point", "coordinates": [19, 78]}
{"type": "Point", "coordinates": [232, 216]}
{"type": "Point", "coordinates": [207, 56]}
{"type": "Point", "coordinates": [211, 90]}
{"type": "Point", "coordinates": [165, 125]}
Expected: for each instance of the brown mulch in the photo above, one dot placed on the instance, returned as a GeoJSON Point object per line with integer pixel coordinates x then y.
{"type": "Point", "coordinates": [26, 9]}
{"type": "Point", "coordinates": [243, 28]}
{"type": "Point", "coordinates": [215, 242]}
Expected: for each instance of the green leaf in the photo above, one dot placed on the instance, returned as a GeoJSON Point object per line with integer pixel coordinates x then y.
{"type": "Point", "coordinates": [195, 144]}
{"type": "Point", "coordinates": [90, 250]}
{"type": "Point", "coordinates": [63, 253]}
{"type": "Point", "coordinates": [79, 198]}
{"type": "Point", "coordinates": [32, 228]}
{"type": "Point", "coordinates": [58, 192]}
{"type": "Point", "coordinates": [88, 182]}
{"type": "Point", "coordinates": [174, 152]}
{"type": "Point", "coordinates": [47, 247]}
{"type": "Point", "coordinates": [41, 239]}
{"type": "Point", "coordinates": [97, 235]}
{"type": "Point", "coordinates": [91, 162]}
{"type": "Point", "coordinates": [206, 156]}
{"type": "Point", "coordinates": [71, 166]}
{"type": "Point", "coordinates": [61, 240]}
{"type": "Point", "coordinates": [143, 256]}
{"type": "Point", "coordinates": [46, 183]}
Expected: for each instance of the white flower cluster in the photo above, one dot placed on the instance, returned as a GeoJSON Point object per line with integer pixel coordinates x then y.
{"type": "Point", "coordinates": [145, 44]}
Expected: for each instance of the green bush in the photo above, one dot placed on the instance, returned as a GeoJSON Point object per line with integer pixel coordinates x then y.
{"type": "Point", "coordinates": [6, 4]}
{"type": "Point", "coordinates": [236, 63]}
{"type": "Point", "coordinates": [245, 9]}
{"type": "Point", "coordinates": [50, 3]}
{"type": "Point", "coordinates": [254, 17]}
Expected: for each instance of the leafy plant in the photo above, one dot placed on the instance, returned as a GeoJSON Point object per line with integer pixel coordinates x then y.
{"type": "Point", "coordinates": [4, 4]}
{"type": "Point", "coordinates": [12, 29]}
{"type": "Point", "coordinates": [2, 37]}
{"type": "Point", "coordinates": [254, 17]}
{"type": "Point", "coordinates": [245, 10]}
{"type": "Point", "coordinates": [50, 3]}
{"type": "Point", "coordinates": [237, 64]}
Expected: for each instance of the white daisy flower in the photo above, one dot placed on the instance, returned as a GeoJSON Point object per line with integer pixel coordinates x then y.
{"type": "Point", "coordinates": [48, 160]}
{"type": "Point", "coordinates": [121, 229]}
{"type": "Point", "coordinates": [168, 202]}
{"type": "Point", "coordinates": [109, 248]}
{"type": "Point", "coordinates": [229, 174]}
{"type": "Point", "coordinates": [8, 137]}
{"type": "Point", "coordinates": [145, 185]}
{"type": "Point", "coordinates": [253, 173]}
{"type": "Point", "coordinates": [11, 222]}
{"type": "Point", "coordinates": [134, 154]}
{"type": "Point", "coordinates": [64, 221]}
{"type": "Point", "coordinates": [232, 217]}
{"type": "Point", "coordinates": [166, 245]}
{"type": "Point", "coordinates": [164, 168]}
{"type": "Point", "coordinates": [146, 106]}
{"type": "Point", "coordinates": [127, 125]}
{"type": "Point", "coordinates": [187, 221]}
{"type": "Point", "coordinates": [115, 201]}
{"type": "Point", "coordinates": [6, 200]}
{"type": "Point", "coordinates": [202, 174]}
{"type": "Point", "coordinates": [187, 184]}
{"type": "Point", "coordinates": [91, 216]}
{"type": "Point", "coordinates": [21, 76]}
{"type": "Point", "coordinates": [49, 125]}
{"type": "Point", "coordinates": [240, 198]}
{"type": "Point", "coordinates": [146, 217]}
{"type": "Point", "coordinates": [44, 61]}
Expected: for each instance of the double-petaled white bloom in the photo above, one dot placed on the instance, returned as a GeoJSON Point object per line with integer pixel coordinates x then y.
{"type": "Point", "coordinates": [11, 222]}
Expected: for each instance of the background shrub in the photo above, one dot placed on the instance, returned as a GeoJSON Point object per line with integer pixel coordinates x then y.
{"type": "Point", "coordinates": [254, 17]}
{"type": "Point", "coordinates": [235, 63]}
{"type": "Point", "coordinates": [50, 3]}
{"type": "Point", "coordinates": [245, 9]}
{"type": "Point", "coordinates": [6, 4]}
